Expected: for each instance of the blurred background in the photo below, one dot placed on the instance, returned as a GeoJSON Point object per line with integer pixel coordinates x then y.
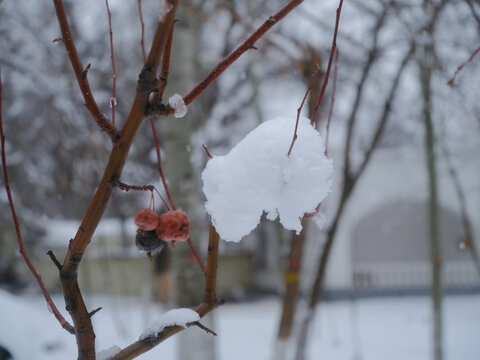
{"type": "Point", "coordinates": [391, 272]}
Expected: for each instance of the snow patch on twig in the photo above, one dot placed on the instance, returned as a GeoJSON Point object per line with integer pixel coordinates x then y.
{"type": "Point", "coordinates": [180, 317]}
{"type": "Point", "coordinates": [177, 103]}
{"type": "Point", "coordinates": [258, 176]}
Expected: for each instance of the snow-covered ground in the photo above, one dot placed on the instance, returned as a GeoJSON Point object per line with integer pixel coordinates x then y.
{"type": "Point", "coordinates": [367, 329]}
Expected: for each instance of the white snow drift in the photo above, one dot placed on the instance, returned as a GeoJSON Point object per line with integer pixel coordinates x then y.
{"type": "Point", "coordinates": [257, 176]}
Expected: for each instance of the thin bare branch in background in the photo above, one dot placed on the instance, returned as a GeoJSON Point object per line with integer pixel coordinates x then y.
{"type": "Point", "coordinates": [64, 323]}
{"type": "Point", "coordinates": [460, 68]}
{"type": "Point", "coordinates": [332, 103]}
{"type": "Point", "coordinates": [318, 283]}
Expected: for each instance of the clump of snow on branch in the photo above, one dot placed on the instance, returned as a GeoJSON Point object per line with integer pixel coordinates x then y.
{"type": "Point", "coordinates": [258, 176]}
{"type": "Point", "coordinates": [177, 103]}
{"type": "Point", "coordinates": [164, 10]}
{"type": "Point", "coordinates": [180, 317]}
{"type": "Point", "coordinates": [108, 353]}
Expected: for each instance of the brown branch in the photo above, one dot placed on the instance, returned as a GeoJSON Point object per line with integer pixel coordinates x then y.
{"type": "Point", "coordinates": [126, 187]}
{"type": "Point", "coordinates": [246, 45]}
{"type": "Point", "coordinates": [299, 110]}
{"type": "Point", "coordinates": [208, 152]}
{"type": "Point", "coordinates": [332, 103]}
{"type": "Point", "coordinates": [203, 327]}
{"type": "Point", "coordinates": [146, 84]}
{"type": "Point", "coordinates": [163, 79]}
{"type": "Point", "coordinates": [64, 323]}
{"type": "Point", "coordinates": [468, 61]}
{"type": "Point", "coordinates": [210, 303]}
{"type": "Point", "coordinates": [212, 261]}
{"type": "Point", "coordinates": [159, 164]}
{"type": "Point", "coordinates": [78, 69]}
{"type": "Point", "coordinates": [113, 100]}
{"type": "Point", "coordinates": [142, 25]}
{"type": "Point", "coordinates": [196, 255]}
{"type": "Point", "coordinates": [54, 260]}
{"type": "Point", "coordinates": [329, 66]}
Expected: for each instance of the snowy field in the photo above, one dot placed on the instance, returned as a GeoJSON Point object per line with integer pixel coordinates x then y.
{"type": "Point", "coordinates": [367, 329]}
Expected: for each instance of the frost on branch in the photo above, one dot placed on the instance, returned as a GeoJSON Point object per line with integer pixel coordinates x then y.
{"type": "Point", "coordinates": [257, 176]}
{"type": "Point", "coordinates": [180, 317]}
{"type": "Point", "coordinates": [177, 103]}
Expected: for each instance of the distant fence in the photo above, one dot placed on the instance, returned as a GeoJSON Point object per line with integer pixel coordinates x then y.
{"type": "Point", "coordinates": [383, 276]}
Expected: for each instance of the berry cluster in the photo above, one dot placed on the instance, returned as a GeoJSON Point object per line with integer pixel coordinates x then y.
{"type": "Point", "coordinates": [155, 231]}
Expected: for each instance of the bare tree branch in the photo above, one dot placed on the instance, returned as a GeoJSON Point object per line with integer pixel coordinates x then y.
{"type": "Point", "coordinates": [80, 73]}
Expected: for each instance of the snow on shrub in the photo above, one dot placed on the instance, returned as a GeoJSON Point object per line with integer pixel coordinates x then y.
{"type": "Point", "coordinates": [180, 317]}
{"type": "Point", "coordinates": [177, 103]}
{"type": "Point", "coordinates": [258, 176]}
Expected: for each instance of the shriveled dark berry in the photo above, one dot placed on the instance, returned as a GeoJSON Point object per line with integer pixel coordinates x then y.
{"type": "Point", "coordinates": [148, 241]}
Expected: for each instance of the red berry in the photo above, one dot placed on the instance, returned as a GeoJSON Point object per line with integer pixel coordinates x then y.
{"type": "Point", "coordinates": [146, 219]}
{"type": "Point", "coordinates": [173, 226]}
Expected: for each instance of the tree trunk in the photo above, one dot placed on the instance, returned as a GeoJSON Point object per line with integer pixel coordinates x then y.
{"type": "Point", "coordinates": [435, 246]}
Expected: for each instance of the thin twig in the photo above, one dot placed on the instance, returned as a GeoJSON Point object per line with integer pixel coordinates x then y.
{"type": "Point", "coordinates": [246, 45]}
{"type": "Point", "coordinates": [208, 152]}
{"type": "Point", "coordinates": [113, 100]}
{"type": "Point", "coordinates": [64, 323]}
{"type": "Point", "coordinates": [299, 110]}
{"type": "Point", "coordinates": [162, 81]}
{"type": "Point", "coordinates": [203, 327]}
{"type": "Point", "coordinates": [164, 74]}
{"type": "Point", "coordinates": [332, 102]}
{"type": "Point", "coordinates": [78, 69]}
{"type": "Point", "coordinates": [54, 260]}
{"type": "Point", "coordinates": [159, 164]}
{"type": "Point", "coordinates": [197, 255]}
{"type": "Point", "coordinates": [329, 66]}
{"type": "Point", "coordinates": [126, 187]}
{"type": "Point", "coordinates": [93, 312]}
{"type": "Point", "coordinates": [142, 25]}
{"type": "Point", "coordinates": [468, 61]}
